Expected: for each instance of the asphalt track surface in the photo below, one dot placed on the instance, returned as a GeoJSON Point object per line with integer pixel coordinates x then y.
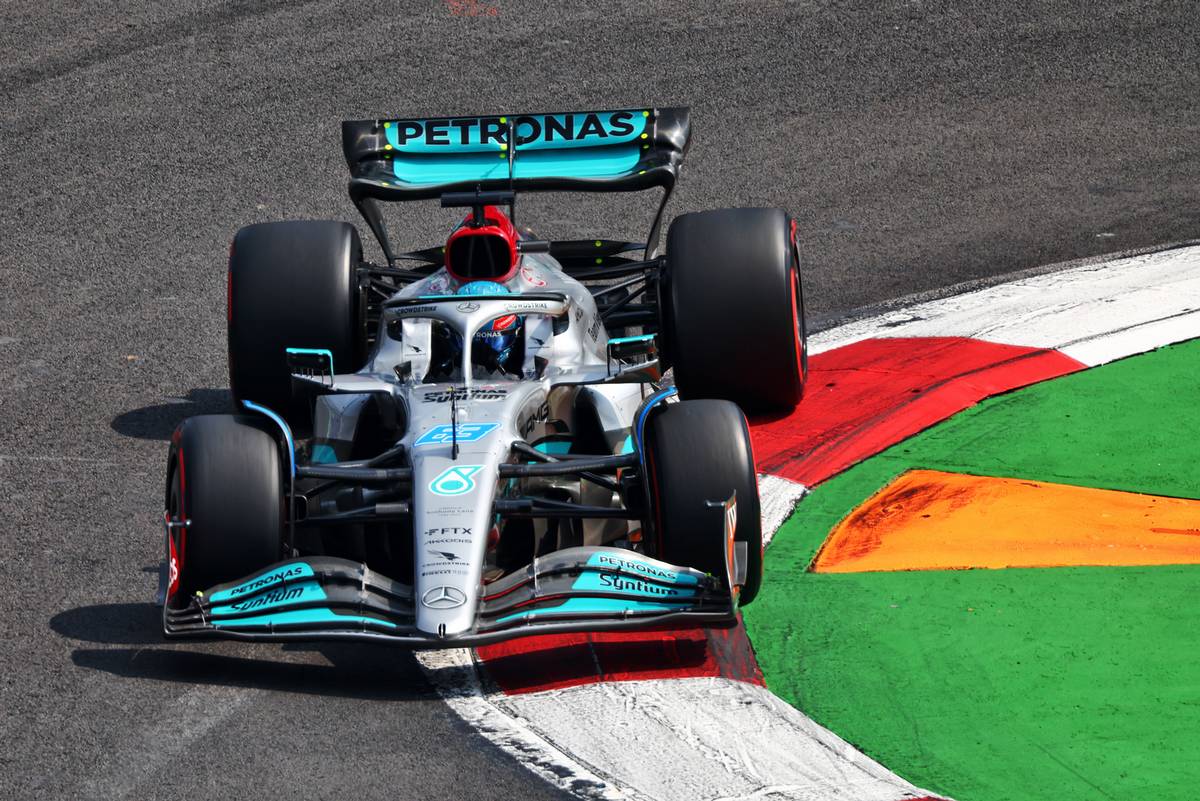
{"type": "Point", "coordinates": [920, 144]}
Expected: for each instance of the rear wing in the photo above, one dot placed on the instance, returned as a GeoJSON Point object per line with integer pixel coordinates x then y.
{"type": "Point", "coordinates": [589, 151]}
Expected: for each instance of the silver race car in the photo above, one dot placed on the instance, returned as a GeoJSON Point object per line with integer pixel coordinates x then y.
{"type": "Point", "coordinates": [474, 442]}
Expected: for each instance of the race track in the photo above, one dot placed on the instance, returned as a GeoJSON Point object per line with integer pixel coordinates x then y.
{"type": "Point", "coordinates": [920, 144]}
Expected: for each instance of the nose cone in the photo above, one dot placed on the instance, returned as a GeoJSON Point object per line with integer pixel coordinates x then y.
{"type": "Point", "coordinates": [452, 516]}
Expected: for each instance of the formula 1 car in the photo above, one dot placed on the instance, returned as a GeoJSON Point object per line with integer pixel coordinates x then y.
{"type": "Point", "coordinates": [474, 441]}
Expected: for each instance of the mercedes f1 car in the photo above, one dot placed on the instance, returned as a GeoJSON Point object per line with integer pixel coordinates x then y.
{"type": "Point", "coordinates": [475, 441]}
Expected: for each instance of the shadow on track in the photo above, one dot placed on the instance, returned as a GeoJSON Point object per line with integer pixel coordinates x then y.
{"type": "Point", "coordinates": [159, 420]}
{"type": "Point", "coordinates": [361, 671]}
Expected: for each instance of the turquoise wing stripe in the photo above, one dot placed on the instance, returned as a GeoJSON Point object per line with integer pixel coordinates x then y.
{"type": "Point", "coordinates": [577, 606]}
{"type": "Point", "coordinates": [607, 162]}
{"type": "Point", "coordinates": [554, 447]}
{"type": "Point", "coordinates": [614, 582]}
{"type": "Point", "coordinates": [301, 616]}
{"type": "Point", "coordinates": [289, 572]}
{"type": "Point", "coordinates": [445, 168]}
{"type": "Point", "coordinates": [287, 594]}
{"type": "Point", "coordinates": [631, 564]}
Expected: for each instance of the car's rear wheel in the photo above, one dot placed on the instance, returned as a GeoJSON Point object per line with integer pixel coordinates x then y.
{"type": "Point", "coordinates": [733, 308]}
{"type": "Point", "coordinates": [697, 453]}
{"type": "Point", "coordinates": [225, 479]}
{"type": "Point", "coordinates": [292, 285]}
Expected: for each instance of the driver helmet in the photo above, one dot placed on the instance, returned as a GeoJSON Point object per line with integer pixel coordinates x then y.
{"type": "Point", "coordinates": [492, 345]}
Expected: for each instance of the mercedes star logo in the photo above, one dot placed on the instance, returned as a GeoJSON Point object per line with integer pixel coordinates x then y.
{"type": "Point", "coordinates": [443, 598]}
{"type": "Point", "coordinates": [468, 307]}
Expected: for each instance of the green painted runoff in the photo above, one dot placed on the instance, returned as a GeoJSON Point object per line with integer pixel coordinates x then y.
{"type": "Point", "coordinates": [1019, 684]}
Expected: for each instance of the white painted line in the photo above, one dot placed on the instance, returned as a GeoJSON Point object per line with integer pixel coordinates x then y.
{"type": "Point", "coordinates": [778, 497]}
{"type": "Point", "coordinates": [456, 678]}
{"type": "Point", "coordinates": [703, 738]}
{"type": "Point", "coordinates": [1094, 313]}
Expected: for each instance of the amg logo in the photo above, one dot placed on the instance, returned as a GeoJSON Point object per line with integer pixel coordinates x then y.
{"type": "Point", "coordinates": [270, 598]}
{"type": "Point", "coordinates": [282, 575]}
{"type": "Point", "coordinates": [540, 414]}
{"type": "Point", "coordinates": [617, 582]}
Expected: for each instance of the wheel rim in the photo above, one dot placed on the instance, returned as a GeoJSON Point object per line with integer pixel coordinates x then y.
{"type": "Point", "coordinates": [798, 311]}
{"type": "Point", "coordinates": [801, 344]}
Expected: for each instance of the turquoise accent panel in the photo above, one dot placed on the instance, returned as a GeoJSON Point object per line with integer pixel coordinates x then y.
{"type": "Point", "coordinates": [606, 581]}
{"type": "Point", "coordinates": [638, 338]}
{"type": "Point", "coordinates": [449, 168]}
{"type": "Point", "coordinates": [285, 572]}
{"type": "Point", "coordinates": [318, 615]}
{"type": "Point", "coordinates": [576, 606]}
{"type": "Point", "coordinates": [595, 162]}
{"type": "Point", "coordinates": [555, 447]}
{"type": "Point", "coordinates": [283, 426]}
{"type": "Point", "coordinates": [447, 433]}
{"type": "Point", "coordinates": [634, 564]}
{"type": "Point", "coordinates": [287, 594]}
{"type": "Point", "coordinates": [316, 352]}
{"type": "Point", "coordinates": [627, 445]}
{"type": "Point", "coordinates": [323, 454]}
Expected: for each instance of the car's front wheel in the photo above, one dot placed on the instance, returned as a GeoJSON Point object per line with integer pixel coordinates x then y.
{"type": "Point", "coordinates": [698, 455]}
{"type": "Point", "coordinates": [225, 498]}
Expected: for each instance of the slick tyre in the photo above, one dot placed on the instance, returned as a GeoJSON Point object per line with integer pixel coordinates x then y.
{"type": "Point", "coordinates": [733, 308]}
{"type": "Point", "coordinates": [225, 476]}
{"type": "Point", "coordinates": [698, 451]}
{"type": "Point", "coordinates": [292, 284]}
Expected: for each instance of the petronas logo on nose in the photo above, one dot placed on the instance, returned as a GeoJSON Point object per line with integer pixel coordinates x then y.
{"type": "Point", "coordinates": [455, 480]}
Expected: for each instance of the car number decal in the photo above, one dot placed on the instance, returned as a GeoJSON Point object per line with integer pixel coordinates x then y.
{"type": "Point", "coordinates": [446, 433]}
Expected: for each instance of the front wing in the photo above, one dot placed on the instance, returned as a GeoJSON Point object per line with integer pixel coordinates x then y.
{"type": "Point", "coordinates": [576, 589]}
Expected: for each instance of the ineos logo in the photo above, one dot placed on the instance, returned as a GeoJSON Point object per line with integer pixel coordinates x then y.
{"type": "Point", "coordinates": [444, 598]}
{"type": "Point", "coordinates": [468, 307]}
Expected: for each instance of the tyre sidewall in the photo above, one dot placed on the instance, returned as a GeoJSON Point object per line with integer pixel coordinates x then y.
{"type": "Point", "coordinates": [732, 308]}
{"type": "Point", "coordinates": [699, 452]}
{"type": "Point", "coordinates": [230, 473]}
{"type": "Point", "coordinates": [292, 284]}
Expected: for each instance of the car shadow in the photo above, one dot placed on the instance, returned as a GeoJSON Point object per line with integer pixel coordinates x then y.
{"type": "Point", "coordinates": [349, 670]}
{"type": "Point", "coordinates": [159, 420]}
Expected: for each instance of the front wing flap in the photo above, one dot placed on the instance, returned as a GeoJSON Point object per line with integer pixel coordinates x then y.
{"type": "Point", "coordinates": [576, 589]}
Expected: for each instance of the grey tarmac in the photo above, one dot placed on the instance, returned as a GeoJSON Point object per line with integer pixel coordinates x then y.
{"type": "Point", "coordinates": [920, 144]}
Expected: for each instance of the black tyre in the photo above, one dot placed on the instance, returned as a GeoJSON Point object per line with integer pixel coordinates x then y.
{"type": "Point", "coordinates": [225, 475]}
{"type": "Point", "coordinates": [292, 284]}
{"type": "Point", "coordinates": [696, 452]}
{"type": "Point", "coordinates": [733, 309]}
